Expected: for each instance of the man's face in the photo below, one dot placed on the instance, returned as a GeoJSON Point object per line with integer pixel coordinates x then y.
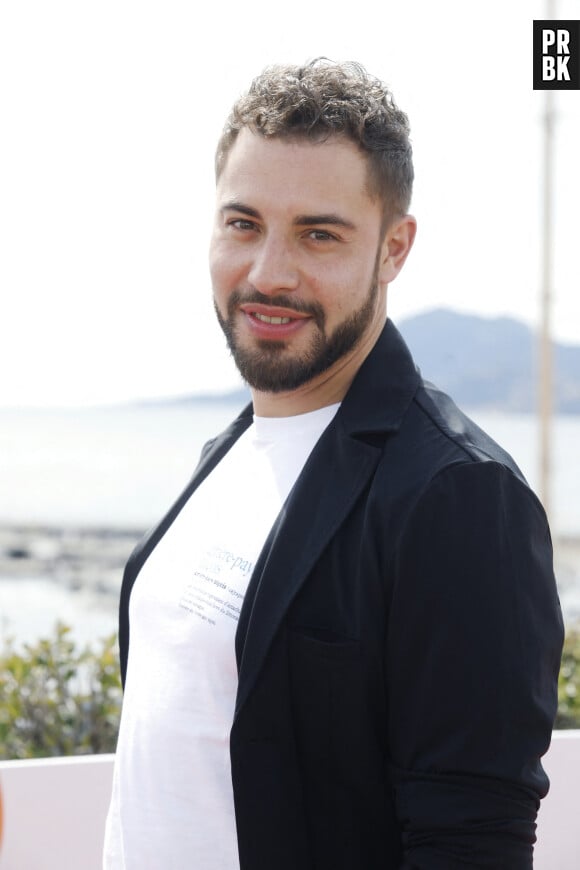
{"type": "Point", "coordinates": [295, 258]}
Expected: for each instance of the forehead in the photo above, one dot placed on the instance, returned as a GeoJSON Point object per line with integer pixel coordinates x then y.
{"type": "Point", "coordinates": [291, 171]}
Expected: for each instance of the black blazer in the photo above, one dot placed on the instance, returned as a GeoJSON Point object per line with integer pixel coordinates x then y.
{"type": "Point", "coordinates": [398, 646]}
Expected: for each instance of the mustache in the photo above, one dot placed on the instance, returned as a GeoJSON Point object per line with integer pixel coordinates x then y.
{"type": "Point", "coordinates": [313, 309]}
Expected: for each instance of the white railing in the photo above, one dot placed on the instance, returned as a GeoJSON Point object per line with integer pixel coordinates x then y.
{"type": "Point", "coordinates": [54, 810]}
{"type": "Point", "coordinates": [558, 846]}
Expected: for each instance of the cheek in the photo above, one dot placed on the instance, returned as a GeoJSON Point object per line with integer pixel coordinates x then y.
{"type": "Point", "coordinates": [336, 289]}
{"type": "Point", "coordinates": [216, 253]}
{"type": "Point", "coordinates": [222, 266]}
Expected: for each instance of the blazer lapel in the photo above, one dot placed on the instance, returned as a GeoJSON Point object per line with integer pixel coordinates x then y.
{"type": "Point", "coordinates": [332, 479]}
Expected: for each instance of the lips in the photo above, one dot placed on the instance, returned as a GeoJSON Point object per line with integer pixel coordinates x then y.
{"type": "Point", "coordinates": [273, 322]}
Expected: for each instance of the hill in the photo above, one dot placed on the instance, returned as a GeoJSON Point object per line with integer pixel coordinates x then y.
{"type": "Point", "coordinates": [489, 362]}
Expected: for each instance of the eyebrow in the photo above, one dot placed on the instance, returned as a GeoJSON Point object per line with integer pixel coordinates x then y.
{"type": "Point", "coordinates": [303, 220]}
{"type": "Point", "coordinates": [234, 205]}
{"type": "Point", "coordinates": [307, 220]}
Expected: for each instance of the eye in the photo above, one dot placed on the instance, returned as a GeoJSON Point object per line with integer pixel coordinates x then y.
{"type": "Point", "coordinates": [321, 236]}
{"type": "Point", "coordinates": [242, 224]}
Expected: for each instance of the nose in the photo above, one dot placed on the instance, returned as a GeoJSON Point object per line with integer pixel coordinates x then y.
{"type": "Point", "coordinates": [273, 268]}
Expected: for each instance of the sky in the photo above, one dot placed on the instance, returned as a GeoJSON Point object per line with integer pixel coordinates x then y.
{"type": "Point", "coordinates": [111, 111]}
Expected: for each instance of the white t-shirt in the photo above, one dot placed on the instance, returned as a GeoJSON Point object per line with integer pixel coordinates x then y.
{"type": "Point", "coordinates": [172, 804]}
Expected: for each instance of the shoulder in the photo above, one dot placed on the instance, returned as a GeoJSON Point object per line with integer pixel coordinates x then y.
{"type": "Point", "coordinates": [436, 417]}
{"type": "Point", "coordinates": [438, 453]}
{"type": "Point", "coordinates": [442, 482]}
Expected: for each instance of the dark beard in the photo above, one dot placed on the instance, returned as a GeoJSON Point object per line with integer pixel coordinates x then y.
{"type": "Point", "coordinates": [266, 368]}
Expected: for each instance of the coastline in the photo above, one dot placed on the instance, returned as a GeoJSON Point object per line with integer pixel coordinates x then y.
{"type": "Point", "coordinates": [75, 557]}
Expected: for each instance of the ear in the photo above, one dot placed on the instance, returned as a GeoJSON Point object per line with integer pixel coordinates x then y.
{"type": "Point", "coordinates": [395, 248]}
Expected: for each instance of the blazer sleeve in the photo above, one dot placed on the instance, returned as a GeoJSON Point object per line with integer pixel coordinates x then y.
{"type": "Point", "coordinates": [472, 657]}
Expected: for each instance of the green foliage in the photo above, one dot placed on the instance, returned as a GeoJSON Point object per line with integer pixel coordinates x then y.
{"type": "Point", "coordinates": [569, 682]}
{"type": "Point", "coordinates": [57, 699]}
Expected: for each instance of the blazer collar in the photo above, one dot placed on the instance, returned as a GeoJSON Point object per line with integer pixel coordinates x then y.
{"type": "Point", "coordinates": [382, 388]}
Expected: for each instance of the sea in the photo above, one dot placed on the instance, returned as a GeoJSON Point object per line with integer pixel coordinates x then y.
{"type": "Point", "coordinates": [120, 467]}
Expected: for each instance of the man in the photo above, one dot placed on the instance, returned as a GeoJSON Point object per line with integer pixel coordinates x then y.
{"type": "Point", "coordinates": [340, 647]}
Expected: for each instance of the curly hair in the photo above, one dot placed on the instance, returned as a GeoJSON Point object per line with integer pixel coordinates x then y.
{"type": "Point", "coordinates": [323, 99]}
